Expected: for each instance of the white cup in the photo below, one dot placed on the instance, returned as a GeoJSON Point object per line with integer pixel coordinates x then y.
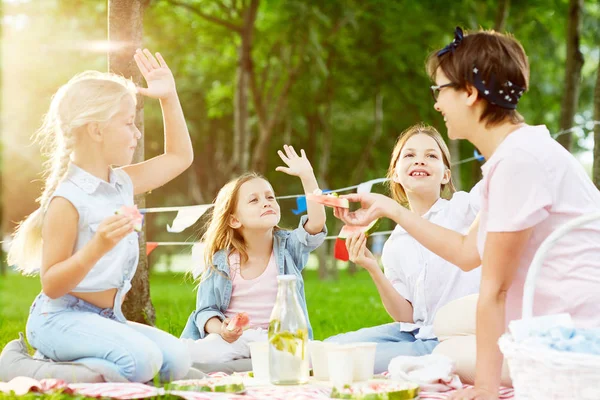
{"type": "Point", "coordinates": [318, 358]}
{"type": "Point", "coordinates": [364, 360]}
{"type": "Point", "coordinates": [259, 353]}
{"type": "Point", "coordinates": [340, 361]}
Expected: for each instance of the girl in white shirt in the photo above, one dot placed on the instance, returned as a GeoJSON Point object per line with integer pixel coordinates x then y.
{"type": "Point", "coordinates": [415, 282]}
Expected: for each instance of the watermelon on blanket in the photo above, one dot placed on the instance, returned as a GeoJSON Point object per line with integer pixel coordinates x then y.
{"type": "Point", "coordinates": [377, 389]}
{"type": "Point", "coordinates": [228, 384]}
{"type": "Point", "coordinates": [134, 214]}
{"type": "Point", "coordinates": [240, 320]}
{"type": "Point", "coordinates": [329, 199]}
{"type": "Point", "coordinates": [340, 251]}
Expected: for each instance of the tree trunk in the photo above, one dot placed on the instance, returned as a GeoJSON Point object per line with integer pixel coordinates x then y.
{"type": "Point", "coordinates": [242, 139]}
{"type": "Point", "coordinates": [572, 73]}
{"type": "Point", "coordinates": [502, 15]}
{"type": "Point", "coordinates": [596, 168]}
{"type": "Point", "coordinates": [125, 25]}
{"type": "Point", "coordinates": [359, 171]}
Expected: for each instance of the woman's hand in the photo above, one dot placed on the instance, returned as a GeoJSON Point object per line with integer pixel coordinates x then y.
{"type": "Point", "coordinates": [373, 206]}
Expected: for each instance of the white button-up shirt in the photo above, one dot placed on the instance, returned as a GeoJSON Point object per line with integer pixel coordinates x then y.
{"type": "Point", "coordinates": [95, 200]}
{"type": "Point", "coordinates": [423, 278]}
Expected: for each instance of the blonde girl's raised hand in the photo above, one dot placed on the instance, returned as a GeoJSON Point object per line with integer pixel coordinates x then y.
{"type": "Point", "coordinates": [297, 165]}
{"type": "Point", "coordinates": [156, 72]}
{"type": "Point", "coordinates": [359, 254]}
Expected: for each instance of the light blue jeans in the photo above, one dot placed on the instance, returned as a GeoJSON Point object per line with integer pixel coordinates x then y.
{"type": "Point", "coordinates": [70, 329]}
{"type": "Point", "coordinates": [391, 342]}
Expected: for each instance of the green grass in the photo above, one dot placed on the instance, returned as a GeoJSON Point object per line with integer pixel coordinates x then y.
{"type": "Point", "coordinates": [344, 305]}
{"type": "Point", "coordinates": [338, 306]}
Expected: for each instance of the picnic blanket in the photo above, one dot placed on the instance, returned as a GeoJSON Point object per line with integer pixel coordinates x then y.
{"type": "Point", "coordinates": [126, 391]}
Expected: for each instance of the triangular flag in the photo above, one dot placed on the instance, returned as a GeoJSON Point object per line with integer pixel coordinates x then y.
{"type": "Point", "coordinates": [198, 265]}
{"type": "Point", "coordinates": [340, 252]}
{"type": "Point", "coordinates": [150, 246]}
{"type": "Point", "coordinates": [364, 187]}
{"type": "Point", "coordinates": [187, 217]}
{"type": "Point", "coordinates": [300, 205]}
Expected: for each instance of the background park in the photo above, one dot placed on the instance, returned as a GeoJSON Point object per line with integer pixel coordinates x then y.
{"type": "Point", "coordinates": [338, 78]}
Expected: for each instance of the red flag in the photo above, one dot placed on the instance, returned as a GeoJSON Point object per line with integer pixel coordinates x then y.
{"type": "Point", "coordinates": [340, 252]}
{"type": "Point", "coordinates": [150, 246]}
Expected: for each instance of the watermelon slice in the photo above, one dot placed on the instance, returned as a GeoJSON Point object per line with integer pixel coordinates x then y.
{"type": "Point", "coordinates": [377, 389]}
{"type": "Point", "coordinates": [134, 214]}
{"type": "Point", "coordinates": [240, 320]}
{"type": "Point", "coordinates": [330, 199]}
{"type": "Point", "coordinates": [347, 230]}
{"type": "Point", "coordinates": [340, 251]}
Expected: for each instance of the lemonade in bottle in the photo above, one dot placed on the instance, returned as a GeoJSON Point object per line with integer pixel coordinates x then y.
{"type": "Point", "coordinates": [288, 336]}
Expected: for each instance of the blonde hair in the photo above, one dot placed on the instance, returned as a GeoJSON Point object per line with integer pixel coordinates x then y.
{"type": "Point", "coordinates": [396, 189]}
{"type": "Point", "coordinates": [89, 97]}
{"type": "Point", "coordinates": [219, 234]}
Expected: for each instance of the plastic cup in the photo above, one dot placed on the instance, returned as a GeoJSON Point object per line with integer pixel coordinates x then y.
{"type": "Point", "coordinates": [259, 354]}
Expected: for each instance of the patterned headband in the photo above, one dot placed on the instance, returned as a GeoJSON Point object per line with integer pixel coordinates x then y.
{"type": "Point", "coordinates": [505, 95]}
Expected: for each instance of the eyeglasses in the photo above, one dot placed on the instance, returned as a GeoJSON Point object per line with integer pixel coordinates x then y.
{"type": "Point", "coordinates": [435, 90]}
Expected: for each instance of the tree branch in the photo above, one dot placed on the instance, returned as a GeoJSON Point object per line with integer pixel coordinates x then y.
{"type": "Point", "coordinates": [218, 21]}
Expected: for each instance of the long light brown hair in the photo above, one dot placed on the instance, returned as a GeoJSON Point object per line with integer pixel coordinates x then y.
{"type": "Point", "coordinates": [219, 234]}
{"type": "Point", "coordinates": [396, 189]}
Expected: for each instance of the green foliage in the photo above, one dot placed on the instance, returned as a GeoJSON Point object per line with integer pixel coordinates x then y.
{"type": "Point", "coordinates": [344, 54]}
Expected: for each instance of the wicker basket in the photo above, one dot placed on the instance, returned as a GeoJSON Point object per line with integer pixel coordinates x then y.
{"type": "Point", "coordinates": [542, 373]}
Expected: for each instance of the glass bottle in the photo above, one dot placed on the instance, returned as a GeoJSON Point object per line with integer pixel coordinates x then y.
{"type": "Point", "coordinates": [288, 336]}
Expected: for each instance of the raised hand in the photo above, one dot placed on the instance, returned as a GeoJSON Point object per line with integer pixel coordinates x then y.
{"type": "Point", "coordinates": [359, 253]}
{"type": "Point", "coordinates": [159, 78]}
{"type": "Point", "coordinates": [296, 165]}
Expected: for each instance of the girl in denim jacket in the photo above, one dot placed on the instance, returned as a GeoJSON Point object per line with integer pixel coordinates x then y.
{"type": "Point", "coordinates": [245, 250]}
{"type": "Point", "coordinates": [87, 255]}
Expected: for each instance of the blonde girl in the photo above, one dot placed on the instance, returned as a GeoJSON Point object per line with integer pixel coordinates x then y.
{"type": "Point", "coordinates": [85, 254]}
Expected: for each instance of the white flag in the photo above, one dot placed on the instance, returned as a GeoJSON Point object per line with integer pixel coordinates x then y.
{"type": "Point", "coordinates": [364, 187]}
{"type": "Point", "coordinates": [198, 265]}
{"type": "Point", "coordinates": [187, 217]}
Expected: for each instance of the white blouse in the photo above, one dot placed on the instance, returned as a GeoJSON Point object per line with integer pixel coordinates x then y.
{"type": "Point", "coordinates": [423, 278]}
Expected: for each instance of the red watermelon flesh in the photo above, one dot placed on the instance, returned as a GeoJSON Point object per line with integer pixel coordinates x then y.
{"type": "Point", "coordinates": [134, 214]}
{"type": "Point", "coordinates": [347, 230]}
{"type": "Point", "coordinates": [330, 200]}
{"type": "Point", "coordinates": [240, 320]}
{"type": "Point", "coordinates": [340, 251]}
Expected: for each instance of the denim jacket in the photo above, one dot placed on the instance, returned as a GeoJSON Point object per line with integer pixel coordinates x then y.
{"type": "Point", "coordinates": [291, 250]}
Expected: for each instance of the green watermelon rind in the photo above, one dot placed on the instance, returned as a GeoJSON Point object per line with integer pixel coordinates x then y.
{"type": "Point", "coordinates": [371, 228]}
{"type": "Point", "coordinates": [411, 393]}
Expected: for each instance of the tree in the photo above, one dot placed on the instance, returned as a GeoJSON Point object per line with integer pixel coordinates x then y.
{"type": "Point", "coordinates": [125, 30]}
{"type": "Point", "coordinates": [240, 20]}
{"type": "Point", "coordinates": [573, 67]}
